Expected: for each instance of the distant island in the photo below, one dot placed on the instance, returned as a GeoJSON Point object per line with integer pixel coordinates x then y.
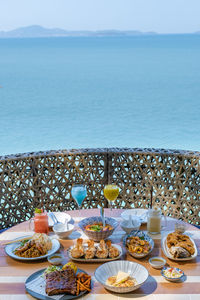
{"type": "Point", "coordinates": [36, 31]}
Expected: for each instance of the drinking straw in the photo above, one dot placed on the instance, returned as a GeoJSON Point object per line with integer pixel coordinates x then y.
{"type": "Point", "coordinates": [151, 197]}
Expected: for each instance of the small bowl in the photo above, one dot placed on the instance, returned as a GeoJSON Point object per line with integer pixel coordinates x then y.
{"type": "Point", "coordinates": [136, 223]}
{"type": "Point", "coordinates": [97, 236]}
{"type": "Point", "coordinates": [55, 259]}
{"type": "Point", "coordinates": [109, 269]}
{"type": "Point", "coordinates": [172, 279]}
{"type": "Point", "coordinates": [157, 262]}
{"type": "Point", "coordinates": [62, 231]}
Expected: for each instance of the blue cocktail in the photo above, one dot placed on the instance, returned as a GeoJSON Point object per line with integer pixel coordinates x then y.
{"type": "Point", "coordinates": [79, 192]}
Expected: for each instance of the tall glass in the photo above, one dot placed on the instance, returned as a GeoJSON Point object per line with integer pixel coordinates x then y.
{"type": "Point", "coordinates": [79, 192]}
{"type": "Point", "coordinates": [111, 192]}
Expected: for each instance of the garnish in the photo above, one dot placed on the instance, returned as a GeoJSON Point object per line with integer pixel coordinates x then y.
{"type": "Point", "coordinates": [51, 269]}
{"type": "Point", "coordinates": [96, 228]}
{"type": "Point", "coordinates": [38, 210]}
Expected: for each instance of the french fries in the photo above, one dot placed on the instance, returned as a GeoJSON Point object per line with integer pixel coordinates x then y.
{"type": "Point", "coordinates": [83, 283]}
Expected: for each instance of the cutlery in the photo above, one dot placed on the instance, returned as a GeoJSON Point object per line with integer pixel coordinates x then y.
{"type": "Point", "coordinates": [102, 216]}
{"type": "Point", "coordinates": [17, 241]}
{"type": "Point", "coordinates": [54, 219]}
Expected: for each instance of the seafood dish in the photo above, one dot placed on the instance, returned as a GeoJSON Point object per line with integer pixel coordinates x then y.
{"type": "Point", "coordinates": [98, 227]}
{"type": "Point", "coordinates": [138, 245]}
{"type": "Point", "coordinates": [122, 279]}
{"type": "Point", "coordinates": [36, 246]}
{"type": "Point", "coordinates": [180, 245]}
{"type": "Point", "coordinates": [91, 250]}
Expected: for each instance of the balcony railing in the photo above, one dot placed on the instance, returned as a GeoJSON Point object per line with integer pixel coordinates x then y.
{"type": "Point", "coordinates": [45, 179]}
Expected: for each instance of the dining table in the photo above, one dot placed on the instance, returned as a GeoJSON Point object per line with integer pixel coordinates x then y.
{"type": "Point", "coordinates": [13, 273]}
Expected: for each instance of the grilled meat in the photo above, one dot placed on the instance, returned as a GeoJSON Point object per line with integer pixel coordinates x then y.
{"type": "Point", "coordinates": [61, 282]}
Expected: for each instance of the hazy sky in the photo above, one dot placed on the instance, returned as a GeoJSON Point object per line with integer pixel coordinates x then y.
{"type": "Point", "coordinates": [163, 16]}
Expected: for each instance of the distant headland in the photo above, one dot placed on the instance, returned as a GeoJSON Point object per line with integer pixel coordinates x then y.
{"type": "Point", "coordinates": [36, 31]}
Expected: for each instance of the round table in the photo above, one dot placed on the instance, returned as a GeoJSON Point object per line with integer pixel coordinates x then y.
{"type": "Point", "coordinates": [13, 273]}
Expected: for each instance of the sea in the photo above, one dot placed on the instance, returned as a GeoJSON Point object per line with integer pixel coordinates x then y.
{"type": "Point", "coordinates": [94, 92]}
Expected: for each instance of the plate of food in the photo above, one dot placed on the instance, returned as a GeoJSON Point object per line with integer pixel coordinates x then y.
{"type": "Point", "coordinates": [139, 212]}
{"type": "Point", "coordinates": [35, 247]}
{"type": "Point", "coordinates": [94, 252]}
{"type": "Point", "coordinates": [138, 243]}
{"type": "Point", "coordinates": [67, 282]}
{"type": "Point", "coordinates": [178, 246]}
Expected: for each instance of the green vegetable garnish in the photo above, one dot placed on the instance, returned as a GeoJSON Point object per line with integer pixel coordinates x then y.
{"type": "Point", "coordinates": [51, 269]}
{"type": "Point", "coordinates": [38, 211]}
{"type": "Point", "coordinates": [142, 238]}
{"type": "Point", "coordinates": [96, 228]}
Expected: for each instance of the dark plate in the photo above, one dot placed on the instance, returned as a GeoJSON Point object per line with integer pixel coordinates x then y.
{"type": "Point", "coordinates": [41, 297]}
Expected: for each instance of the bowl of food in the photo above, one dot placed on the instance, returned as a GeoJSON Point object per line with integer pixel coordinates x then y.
{"type": "Point", "coordinates": [138, 243]}
{"type": "Point", "coordinates": [62, 230]}
{"type": "Point", "coordinates": [157, 262]}
{"type": "Point", "coordinates": [94, 229]}
{"type": "Point", "coordinates": [55, 259]}
{"type": "Point", "coordinates": [172, 274]}
{"type": "Point", "coordinates": [133, 223]}
{"type": "Point", "coordinates": [121, 276]}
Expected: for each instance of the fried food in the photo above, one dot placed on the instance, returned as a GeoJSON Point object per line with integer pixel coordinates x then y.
{"type": "Point", "coordinates": [37, 246]}
{"type": "Point", "coordinates": [180, 245]}
{"type": "Point", "coordinates": [78, 250]}
{"type": "Point", "coordinates": [102, 250]}
{"type": "Point", "coordinates": [122, 279]}
{"type": "Point", "coordinates": [91, 251]}
{"type": "Point", "coordinates": [112, 251]}
{"type": "Point", "coordinates": [83, 283]}
{"type": "Point", "coordinates": [138, 245]}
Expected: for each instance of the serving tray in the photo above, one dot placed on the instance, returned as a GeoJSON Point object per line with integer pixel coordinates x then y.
{"type": "Point", "coordinates": [95, 259]}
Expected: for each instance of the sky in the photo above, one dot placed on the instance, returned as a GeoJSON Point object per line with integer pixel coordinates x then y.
{"type": "Point", "coordinates": [162, 16]}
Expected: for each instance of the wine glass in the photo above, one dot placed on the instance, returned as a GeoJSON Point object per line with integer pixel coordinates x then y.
{"type": "Point", "coordinates": [111, 192]}
{"type": "Point", "coordinates": [79, 192]}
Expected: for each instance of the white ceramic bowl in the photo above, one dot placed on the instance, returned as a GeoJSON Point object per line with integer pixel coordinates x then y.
{"type": "Point", "coordinates": [157, 262]}
{"type": "Point", "coordinates": [108, 269]}
{"type": "Point", "coordinates": [55, 259]}
{"type": "Point", "coordinates": [61, 217]}
{"type": "Point", "coordinates": [136, 223]}
{"type": "Point", "coordinates": [61, 232]}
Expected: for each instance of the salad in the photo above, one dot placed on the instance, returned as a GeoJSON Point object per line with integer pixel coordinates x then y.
{"type": "Point", "coordinates": [173, 273]}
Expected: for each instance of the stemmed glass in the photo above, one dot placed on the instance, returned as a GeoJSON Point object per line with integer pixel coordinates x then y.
{"type": "Point", "coordinates": [111, 192]}
{"type": "Point", "coordinates": [79, 192]}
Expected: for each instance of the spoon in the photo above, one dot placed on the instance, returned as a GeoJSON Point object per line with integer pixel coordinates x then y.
{"type": "Point", "coordinates": [54, 219]}
{"type": "Point", "coordinates": [130, 221]}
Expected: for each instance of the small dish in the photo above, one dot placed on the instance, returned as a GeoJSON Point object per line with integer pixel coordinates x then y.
{"type": "Point", "coordinates": [139, 212]}
{"type": "Point", "coordinates": [174, 272]}
{"type": "Point", "coordinates": [55, 259]}
{"type": "Point", "coordinates": [62, 231]}
{"type": "Point", "coordinates": [129, 226]}
{"type": "Point", "coordinates": [157, 262]}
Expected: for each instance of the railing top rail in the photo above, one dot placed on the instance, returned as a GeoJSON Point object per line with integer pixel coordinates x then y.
{"type": "Point", "coordinates": [150, 151]}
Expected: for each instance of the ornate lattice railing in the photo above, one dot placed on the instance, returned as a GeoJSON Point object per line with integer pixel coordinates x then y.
{"type": "Point", "coordinates": [45, 178]}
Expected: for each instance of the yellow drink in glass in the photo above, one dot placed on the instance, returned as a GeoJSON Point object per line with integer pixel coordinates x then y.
{"type": "Point", "coordinates": [111, 192]}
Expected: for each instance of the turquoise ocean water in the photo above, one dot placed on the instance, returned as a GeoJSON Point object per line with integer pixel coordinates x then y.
{"type": "Point", "coordinates": [59, 93]}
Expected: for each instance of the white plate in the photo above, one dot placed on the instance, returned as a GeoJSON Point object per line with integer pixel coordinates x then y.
{"type": "Point", "coordinates": [95, 259]}
{"type": "Point", "coordinates": [168, 254]}
{"type": "Point", "coordinates": [139, 212]}
{"type": "Point", "coordinates": [61, 217]}
{"type": "Point", "coordinates": [9, 249]}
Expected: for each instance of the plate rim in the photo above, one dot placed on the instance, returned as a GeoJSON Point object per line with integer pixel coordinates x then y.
{"type": "Point", "coordinates": [34, 294]}
{"type": "Point", "coordinates": [12, 255]}
{"type": "Point", "coordinates": [83, 260]}
{"type": "Point", "coordinates": [168, 255]}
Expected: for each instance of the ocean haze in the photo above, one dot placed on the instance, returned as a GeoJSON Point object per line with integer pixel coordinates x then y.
{"type": "Point", "coordinates": [60, 93]}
